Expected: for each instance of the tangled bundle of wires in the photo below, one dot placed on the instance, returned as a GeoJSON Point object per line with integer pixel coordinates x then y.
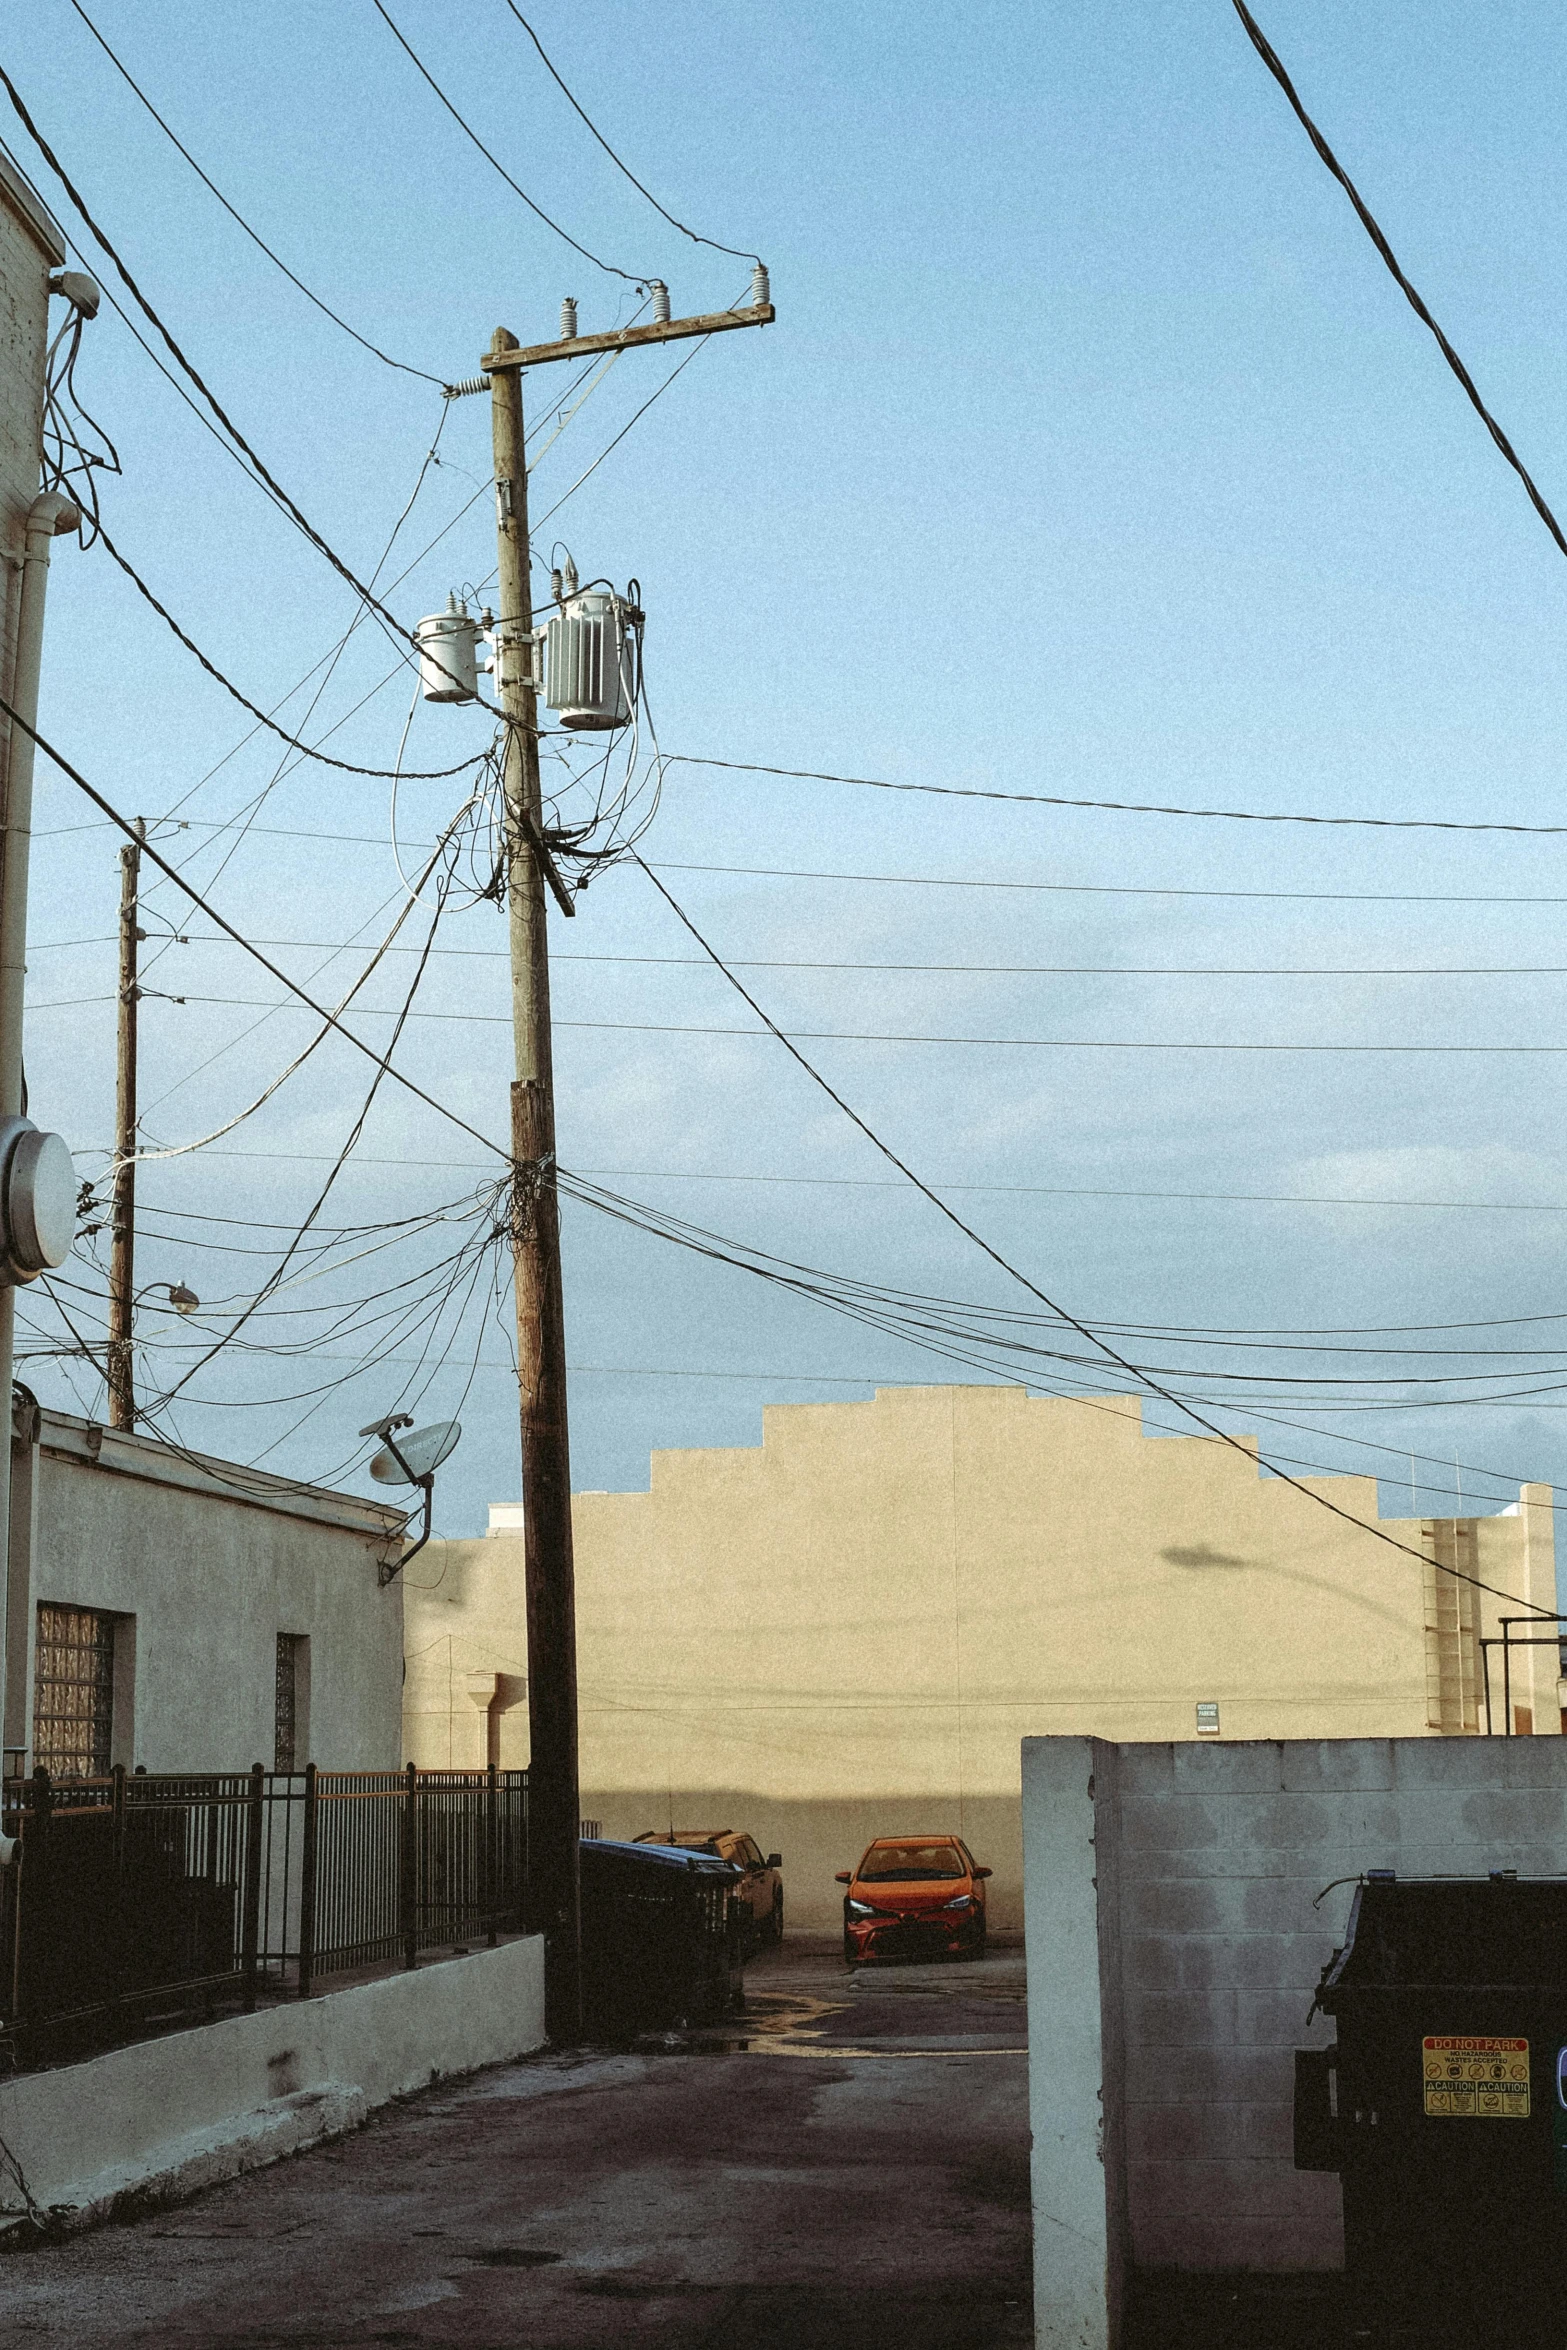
{"type": "Point", "coordinates": [1325, 1371]}
{"type": "Point", "coordinates": [311, 1304]}
{"type": "Point", "coordinates": [74, 447]}
{"type": "Point", "coordinates": [602, 805]}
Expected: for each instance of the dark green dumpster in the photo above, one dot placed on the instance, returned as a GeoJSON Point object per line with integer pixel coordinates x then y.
{"type": "Point", "coordinates": [661, 1937]}
{"type": "Point", "coordinates": [1443, 2106]}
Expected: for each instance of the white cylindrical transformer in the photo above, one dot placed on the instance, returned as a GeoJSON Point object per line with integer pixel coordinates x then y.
{"type": "Point", "coordinates": [448, 660]}
{"type": "Point", "coordinates": [591, 649]}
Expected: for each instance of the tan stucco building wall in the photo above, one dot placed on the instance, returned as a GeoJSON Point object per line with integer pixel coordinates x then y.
{"type": "Point", "coordinates": [849, 1630]}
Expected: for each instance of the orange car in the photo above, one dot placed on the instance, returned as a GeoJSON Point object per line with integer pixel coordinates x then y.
{"type": "Point", "coordinates": [914, 1897]}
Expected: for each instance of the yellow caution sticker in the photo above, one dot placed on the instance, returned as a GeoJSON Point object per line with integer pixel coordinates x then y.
{"type": "Point", "coordinates": [1486, 2080]}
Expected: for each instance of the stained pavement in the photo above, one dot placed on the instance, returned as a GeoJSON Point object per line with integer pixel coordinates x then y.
{"type": "Point", "coordinates": [846, 2166]}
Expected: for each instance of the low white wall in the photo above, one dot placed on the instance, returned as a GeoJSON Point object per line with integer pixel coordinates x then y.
{"type": "Point", "coordinates": [167, 2116]}
{"type": "Point", "coordinates": [1079, 2179]}
{"type": "Point", "coordinates": [1175, 1940]}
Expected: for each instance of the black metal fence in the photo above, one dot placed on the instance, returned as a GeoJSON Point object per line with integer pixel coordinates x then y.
{"type": "Point", "coordinates": [135, 1899]}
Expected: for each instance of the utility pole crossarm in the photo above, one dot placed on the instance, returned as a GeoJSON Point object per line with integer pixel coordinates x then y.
{"type": "Point", "coordinates": [627, 338]}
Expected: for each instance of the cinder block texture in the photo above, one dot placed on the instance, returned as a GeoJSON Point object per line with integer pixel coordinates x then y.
{"type": "Point", "coordinates": [1212, 1877]}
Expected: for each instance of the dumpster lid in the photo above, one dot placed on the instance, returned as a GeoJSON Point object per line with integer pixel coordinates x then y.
{"type": "Point", "coordinates": [659, 1857]}
{"type": "Point", "coordinates": [1405, 1931]}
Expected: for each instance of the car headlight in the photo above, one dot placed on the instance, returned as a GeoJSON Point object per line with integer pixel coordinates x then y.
{"type": "Point", "coordinates": [859, 1909]}
{"type": "Point", "coordinates": [963, 1901]}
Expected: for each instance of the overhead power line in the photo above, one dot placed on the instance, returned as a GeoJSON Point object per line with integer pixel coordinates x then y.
{"type": "Point", "coordinates": [984, 1338]}
{"type": "Point", "coordinates": [1089, 889]}
{"type": "Point", "coordinates": [124, 824]}
{"type": "Point", "coordinates": [631, 277]}
{"type": "Point", "coordinates": [738, 252]}
{"type": "Point", "coordinates": [1260, 1199]}
{"type": "Point", "coordinates": [1048, 1044]}
{"type": "Point", "coordinates": [1102, 1347]}
{"type": "Point", "coordinates": [269, 480]}
{"type": "Point", "coordinates": [305, 750]}
{"type": "Point", "coordinates": [238, 217]}
{"type": "Point", "coordinates": [49, 946]}
{"type": "Point", "coordinates": [1121, 889]}
{"type": "Point", "coordinates": [1270, 59]}
{"type": "Point", "coordinates": [275, 1277]}
{"type": "Point", "coordinates": [1039, 799]}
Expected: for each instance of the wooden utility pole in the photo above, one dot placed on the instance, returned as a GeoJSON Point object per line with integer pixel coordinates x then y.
{"type": "Point", "coordinates": [122, 1243]}
{"type": "Point", "coordinates": [553, 1807]}
{"type": "Point", "coordinates": [541, 1331]}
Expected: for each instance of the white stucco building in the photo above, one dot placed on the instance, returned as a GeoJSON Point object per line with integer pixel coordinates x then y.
{"type": "Point", "coordinates": [190, 1614]}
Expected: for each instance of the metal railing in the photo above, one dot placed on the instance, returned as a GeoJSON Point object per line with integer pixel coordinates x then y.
{"type": "Point", "coordinates": [134, 1899]}
{"type": "Point", "coordinates": [1509, 1643]}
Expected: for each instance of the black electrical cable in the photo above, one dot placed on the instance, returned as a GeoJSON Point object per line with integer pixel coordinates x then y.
{"type": "Point", "coordinates": [1110, 1353]}
{"type": "Point", "coordinates": [238, 217]}
{"type": "Point", "coordinates": [270, 1285]}
{"type": "Point", "coordinates": [46, 946]}
{"type": "Point", "coordinates": [1052, 1044]}
{"type": "Point", "coordinates": [735, 251]}
{"type": "Point", "coordinates": [1090, 889]}
{"type": "Point", "coordinates": [955, 791]}
{"type": "Point", "coordinates": [305, 750]}
{"type": "Point", "coordinates": [267, 478]}
{"type": "Point", "coordinates": [887, 1311]}
{"type": "Point", "coordinates": [124, 824]}
{"type": "Point", "coordinates": [1270, 59]}
{"type": "Point", "coordinates": [631, 277]}
{"type": "Point", "coordinates": [1113, 889]}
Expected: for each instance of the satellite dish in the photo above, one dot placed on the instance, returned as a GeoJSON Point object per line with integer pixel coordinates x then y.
{"type": "Point", "coordinates": [422, 1451]}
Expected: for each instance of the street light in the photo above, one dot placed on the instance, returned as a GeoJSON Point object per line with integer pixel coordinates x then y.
{"type": "Point", "coordinates": [183, 1300]}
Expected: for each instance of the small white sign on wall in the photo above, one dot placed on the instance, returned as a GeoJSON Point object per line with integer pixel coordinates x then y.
{"type": "Point", "coordinates": [1208, 1720]}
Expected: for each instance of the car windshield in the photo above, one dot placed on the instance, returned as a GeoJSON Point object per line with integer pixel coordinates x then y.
{"type": "Point", "coordinates": [906, 1864]}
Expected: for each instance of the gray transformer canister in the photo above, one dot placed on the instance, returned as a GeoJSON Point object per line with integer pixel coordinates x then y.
{"type": "Point", "coordinates": [590, 676]}
{"type": "Point", "coordinates": [448, 656]}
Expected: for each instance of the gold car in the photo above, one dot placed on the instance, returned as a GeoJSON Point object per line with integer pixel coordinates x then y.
{"type": "Point", "coordinates": [760, 1890]}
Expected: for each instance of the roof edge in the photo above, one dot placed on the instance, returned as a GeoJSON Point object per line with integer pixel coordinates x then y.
{"type": "Point", "coordinates": [88, 1444]}
{"type": "Point", "coordinates": [25, 199]}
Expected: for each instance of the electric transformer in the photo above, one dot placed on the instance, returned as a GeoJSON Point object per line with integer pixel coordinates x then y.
{"type": "Point", "coordinates": [448, 656]}
{"type": "Point", "coordinates": [592, 660]}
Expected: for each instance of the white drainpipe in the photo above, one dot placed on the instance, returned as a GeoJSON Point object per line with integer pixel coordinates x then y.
{"type": "Point", "coordinates": [49, 515]}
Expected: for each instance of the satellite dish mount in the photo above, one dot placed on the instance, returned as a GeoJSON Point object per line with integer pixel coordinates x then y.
{"type": "Point", "coordinates": [414, 1461]}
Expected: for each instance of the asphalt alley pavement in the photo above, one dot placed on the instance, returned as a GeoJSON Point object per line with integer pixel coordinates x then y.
{"type": "Point", "coordinates": [846, 2165]}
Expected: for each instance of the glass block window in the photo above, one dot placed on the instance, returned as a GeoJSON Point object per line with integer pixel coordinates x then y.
{"type": "Point", "coordinates": [286, 1738]}
{"type": "Point", "coordinates": [73, 1691]}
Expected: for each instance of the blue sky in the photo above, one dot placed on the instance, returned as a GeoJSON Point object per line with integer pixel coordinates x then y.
{"type": "Point", "coordinates": [1093, 453]}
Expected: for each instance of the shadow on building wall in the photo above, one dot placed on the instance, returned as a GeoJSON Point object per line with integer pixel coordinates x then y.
{"type": "Point", "coordinates": [819, 1838]}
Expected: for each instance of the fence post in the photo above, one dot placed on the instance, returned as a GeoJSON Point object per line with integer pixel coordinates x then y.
{"type": "Point", "coordinates": [490, 1882]}
{"type": "Point", "coordinates": [408, 1889]}
{"type": "Point", "coordinates": [307, 1887]}
{"type": "Point", "coordinates": [117, 1964]}
{"type": "Point", "coordinates": [33, 1879]}
{"type": "Point", "coordinates": [250, 1924]}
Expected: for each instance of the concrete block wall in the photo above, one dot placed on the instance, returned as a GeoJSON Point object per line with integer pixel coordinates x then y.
{"type": "Point", "coordinates": [1201, 1867]}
